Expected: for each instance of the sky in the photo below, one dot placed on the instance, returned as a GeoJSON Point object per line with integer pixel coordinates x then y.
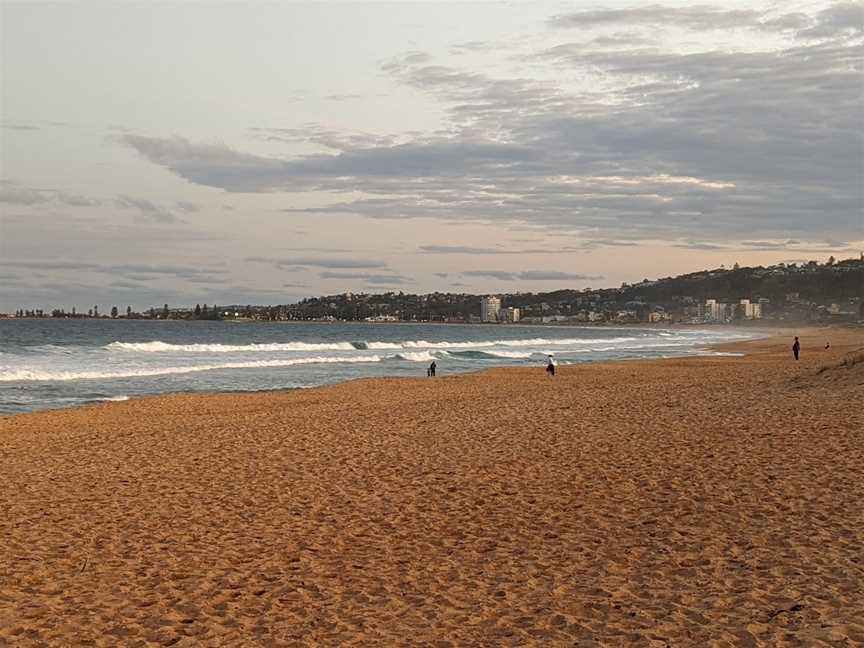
{"type": "Point", "coordinates": [259, 153]}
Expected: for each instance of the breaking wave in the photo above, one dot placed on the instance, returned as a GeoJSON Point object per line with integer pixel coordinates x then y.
{"type": "Point", "coordinates": [158, 346]}
{"type": "Point", "coordinates": [165, 347]}
{"type": "Point", "coordinates": [39, 375]}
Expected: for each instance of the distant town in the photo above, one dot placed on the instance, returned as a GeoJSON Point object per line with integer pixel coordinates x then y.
{"type": "Point", "coordinates": [809, 292]}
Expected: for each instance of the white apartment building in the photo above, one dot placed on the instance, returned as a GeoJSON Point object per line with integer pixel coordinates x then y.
{"type": "Point", "coordinates": [751, 310]}
{"type": "Point", "coordinates": [490, 307]}
{"type": "Point", "coordinates": [714, 311]}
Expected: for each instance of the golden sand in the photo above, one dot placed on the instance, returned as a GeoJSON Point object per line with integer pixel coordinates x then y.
{"type": "Point", "coordinates": [714, 501]}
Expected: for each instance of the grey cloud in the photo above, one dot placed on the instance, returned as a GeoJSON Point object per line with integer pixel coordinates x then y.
{"type": "Point", "coordinates": [530, 275]}
{"type": "Point", "coordinates": [318, 262]}
{"type": "Point", "coordinates": [700, 246]}
{"type": "Point", "coordinates": [593, 243]}
{"type": "Point", "coordinates": [621, 39]}
{"type": "Point", "coordinates": [207, 280]}
{"type": "Point", "coordinates": [323, 136]}
{"type": "Point", "coordinates": [13, 193]}
{"type": "Point", "coordinates": [125, 284]}
{"type": "Point", "coordinates": [49, 265]}
{"type": "Point", "coordinates": [146, 209]}
{"type": "Point", "coordinates": [375, 279]}
{"type": "Point", "coordinates": [842, 19]}
{"type": "Point", "coordinates": [343, 97]}
{"type": "Point", "coordinates": [461, 249]}
{"type": "Point", "coordinates": [467, 249]}
{"type": "Point", "coordinates": [707, 146]}
{"type": "Point", "coordinates": [133, 271]}
{"type": "Point", "coordinates": [699, 18]}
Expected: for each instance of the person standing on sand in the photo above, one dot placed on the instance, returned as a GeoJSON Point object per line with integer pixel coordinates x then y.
{"type": "Point", "coordinates": [550, 366]}
{"type": "Point", "coordinates": [796, 347]}
{"type": "Point", "coordinates": [431, 371]}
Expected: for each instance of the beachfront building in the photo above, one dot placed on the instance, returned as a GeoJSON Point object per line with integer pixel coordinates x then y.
{"type": "Point", "coordinates": [750, 310]}
{"type": "Point", "coordinates": [490, 308]}
{"type": "Point", "coordinates": [510, 315]}
{"type": "Point", "coordinates": [714, 311]}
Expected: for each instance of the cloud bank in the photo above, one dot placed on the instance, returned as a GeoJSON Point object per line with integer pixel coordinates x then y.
{"type": "Point", "coordinates": [712, 145]}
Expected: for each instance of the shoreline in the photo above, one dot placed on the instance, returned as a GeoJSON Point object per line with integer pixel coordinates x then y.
{"type": "Point", "coordinates": [117, 399]}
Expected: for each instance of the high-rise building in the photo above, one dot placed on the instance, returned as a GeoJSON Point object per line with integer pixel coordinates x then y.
{"type": "Point", "coordinates": [490, 307]}
{"type": "Point", "coordinates": [751, 310]}
{"type": "Point", "coordinates": [714, 311]}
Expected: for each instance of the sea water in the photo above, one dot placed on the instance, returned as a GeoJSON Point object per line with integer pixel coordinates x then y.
{"type": "Point", "coordinates": [48, 364]}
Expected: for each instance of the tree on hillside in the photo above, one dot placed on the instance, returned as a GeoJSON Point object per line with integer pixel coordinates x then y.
{"type": "Point", "coordinates": [114, 312]}
{"type": "Point", "coordinates": [128, 311]}
{"type": "Point", "coordinates": [197, 310]}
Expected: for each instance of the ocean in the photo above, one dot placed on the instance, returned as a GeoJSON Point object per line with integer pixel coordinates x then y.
{"type": "Point", "coordinates": [46, 364]}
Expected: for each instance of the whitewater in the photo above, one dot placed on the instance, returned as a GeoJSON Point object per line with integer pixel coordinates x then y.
{"type": "Point", "coordinates": [58, 363]}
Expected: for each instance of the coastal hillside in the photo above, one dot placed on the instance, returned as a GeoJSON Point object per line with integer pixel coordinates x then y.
{"type": "Point", "coordinates": [807, 292]}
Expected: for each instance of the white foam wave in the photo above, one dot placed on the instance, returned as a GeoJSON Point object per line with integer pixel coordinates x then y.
{"type": "Point", "coordinates": [535, 342]}
{"type": "Point", "coordinates": [164, 347]}
{"type": "Point", "coordinates": [158, 346]}
{"type": "Point", "coordinates": [416, 356]}
{"type": "Point", "coordinates": [23, 375]}
{"type": "Point", "coordinates": [519, 355]}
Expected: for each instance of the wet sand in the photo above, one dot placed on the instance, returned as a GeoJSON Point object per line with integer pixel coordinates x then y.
{"type": "Point", "coordinates": [714, 501]}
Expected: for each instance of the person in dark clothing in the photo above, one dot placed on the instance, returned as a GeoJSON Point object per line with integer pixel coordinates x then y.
{"type": "Point", "coordinates": [796, 347]}
{"type": "Point", "coordinates": [431, 370]}
{"type": "Point", "coordinates": [550, 367]}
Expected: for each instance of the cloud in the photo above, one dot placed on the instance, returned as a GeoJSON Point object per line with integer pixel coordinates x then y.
{"type": "Point", "coordinates": [712, 145]}
{"type": "Point", "coordinates": [147, 210]}
{"type": "Point", "coordinates": [701, 17]}
{"type": "Point", "coordinates": [339, 140]}
{"type": "Point", "coordinates": [529, 275]}
{"type": "Point", "coordinates": [186, 206]}
{"type": "Point", "coordinates": [12, 193]}
{"type": "Point", "coordinates": [462, 249]}
{"type": "Point", "coordinates": [138, 272]}
{"type": "Point", "coordinates": [700, 246]}
{"type": "Point", "coordinates": [842, 19]}
{"type": "Point", "coordinates": [549, 249]}
{"type": "Point", "coordinates": [374, 279]}
{"type": "Point", "coordinates": [318, 262]}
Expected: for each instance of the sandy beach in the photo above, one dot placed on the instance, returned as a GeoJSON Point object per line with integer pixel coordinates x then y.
{"type": "Point", "coordinates": [711, 501]}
